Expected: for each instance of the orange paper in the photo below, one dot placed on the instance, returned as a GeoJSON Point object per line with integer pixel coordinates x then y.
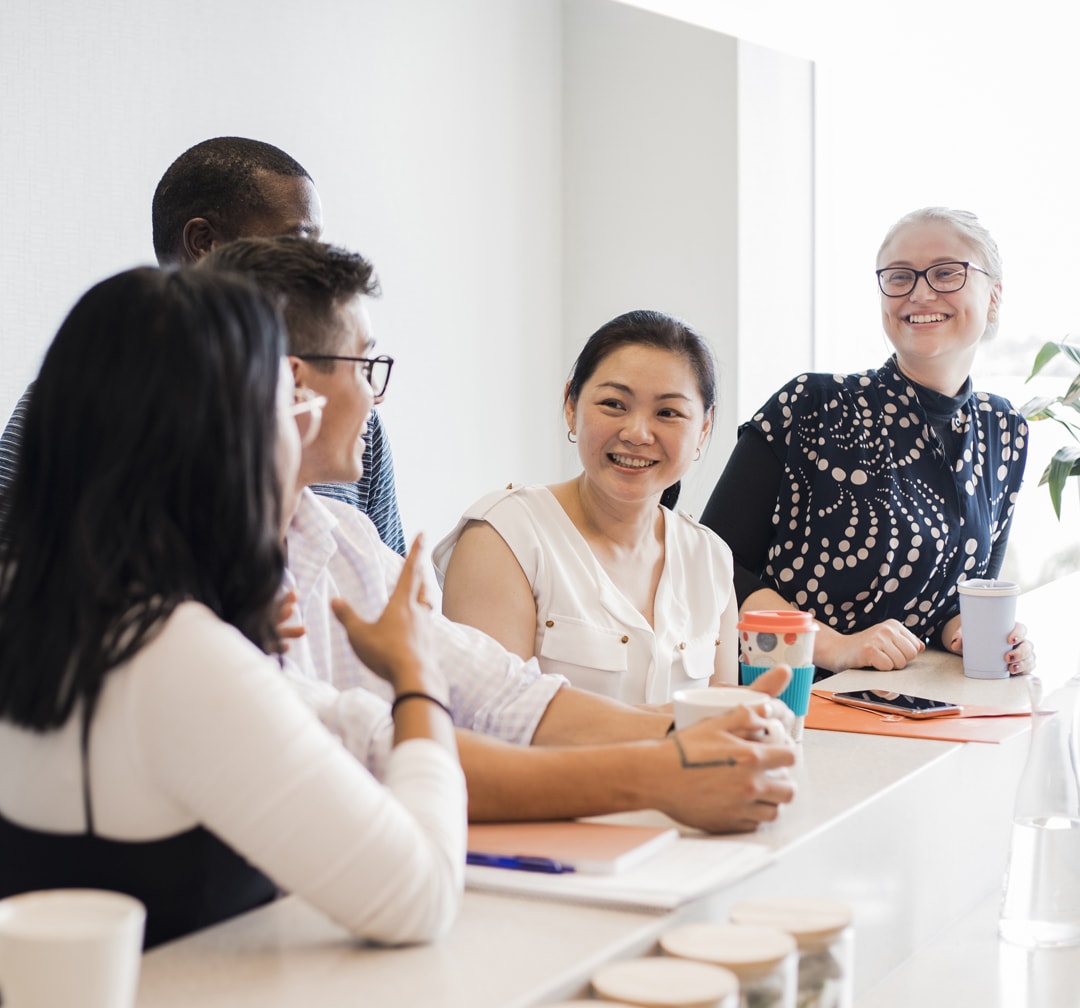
{"type": "Point", "coordinates": [829, 716]}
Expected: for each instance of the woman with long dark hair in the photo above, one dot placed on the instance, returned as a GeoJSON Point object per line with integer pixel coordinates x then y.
{"type": "Point", "coordinates": [148, 742]}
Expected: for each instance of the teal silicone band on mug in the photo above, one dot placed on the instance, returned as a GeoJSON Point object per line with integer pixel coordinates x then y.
{"type": "Point", "coordinates": [797, 693]}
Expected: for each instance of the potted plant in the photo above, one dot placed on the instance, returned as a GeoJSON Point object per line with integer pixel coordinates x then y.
{"type": "Point", "coordinates": [1065, 409]}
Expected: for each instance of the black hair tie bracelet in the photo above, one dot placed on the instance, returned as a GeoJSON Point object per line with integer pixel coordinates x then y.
{"type": "Point", "coordinates": [402, 697]}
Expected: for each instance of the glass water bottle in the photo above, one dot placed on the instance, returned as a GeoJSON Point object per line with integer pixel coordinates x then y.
{"type": "Point", "coordinates": [1041, 904]}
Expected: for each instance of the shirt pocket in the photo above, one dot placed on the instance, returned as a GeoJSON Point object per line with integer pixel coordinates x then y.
{"type": "Point", "coordinates": [693, 662]}
{"type": "Point", "coordinates": [591, 657]}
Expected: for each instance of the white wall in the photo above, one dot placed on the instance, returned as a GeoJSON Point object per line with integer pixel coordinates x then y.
{"type": "Point", "coordinates": [687, 162]}
{"type": "Point", "coordinates": [434, 131]}
{"type": "Point", "coordinates": [969, 104]}
{"type": "Point", "coordinates": [431, 130]}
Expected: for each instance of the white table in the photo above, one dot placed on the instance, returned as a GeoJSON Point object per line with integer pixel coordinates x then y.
{"type": "Point", "coordinates": [967, 964]}
{"type": "Point", "coordinates": [912, 833]}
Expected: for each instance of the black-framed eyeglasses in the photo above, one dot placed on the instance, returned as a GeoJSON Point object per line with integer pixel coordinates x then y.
{"type": "Point", "coordinates": [945, 278]}
{"type": "Point", "coordinates": [376, 369]}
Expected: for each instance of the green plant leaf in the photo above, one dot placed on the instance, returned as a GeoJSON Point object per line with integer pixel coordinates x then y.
{"type": "Point", "coordinates": [1073, 394]}
{"type": "Point", "coordinates": [1065, 463]}
{"type": "Point", "coordinates": [1070, 429]}
{"type": "Point", "coordinates": [1047, 352]}
{"type": "Point", "coordinates": [1070, 350]}
{"type": "Point", "coordinates": [1038, 408]}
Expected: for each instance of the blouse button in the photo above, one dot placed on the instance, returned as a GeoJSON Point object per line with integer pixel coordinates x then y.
{"type": "Point", "coordinates": [625, 638]}
{"type": "Point", "coordinates": [550, 623]}
{"type": "Point", "coordinates": [717, 641]}
{"type": "Point", "coordinates": [682, 645]}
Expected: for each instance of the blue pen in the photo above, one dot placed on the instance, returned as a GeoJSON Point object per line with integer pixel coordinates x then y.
{"type": "Point", "coordinates": [521, 862]}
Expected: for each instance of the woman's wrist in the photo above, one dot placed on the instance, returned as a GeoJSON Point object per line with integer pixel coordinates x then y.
{"type": "Point", "coordinates": [412, 676]}
{"type": "Point", "coordinates": [830, 648]}
{"type": "Point", "coordinates": [418, 696]}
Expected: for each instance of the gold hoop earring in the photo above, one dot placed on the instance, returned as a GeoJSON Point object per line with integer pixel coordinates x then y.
{"type": "Point", "coordinates": [570, 437]}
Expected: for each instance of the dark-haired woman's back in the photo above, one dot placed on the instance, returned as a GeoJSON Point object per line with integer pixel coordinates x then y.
{"type": "Point", "coordinates": [148, 740]}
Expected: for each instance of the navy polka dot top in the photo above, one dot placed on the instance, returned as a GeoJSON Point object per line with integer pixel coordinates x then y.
{"type": "Point", "coordinates": [889, 494]}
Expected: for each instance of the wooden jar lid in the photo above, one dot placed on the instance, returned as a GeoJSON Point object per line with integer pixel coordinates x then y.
{"type": "Point", "coordinates": [739, 947]}
{"type": "Point", "coordinates": [809, 921]}
{"type": "Point", "coordinates": [658, 982]}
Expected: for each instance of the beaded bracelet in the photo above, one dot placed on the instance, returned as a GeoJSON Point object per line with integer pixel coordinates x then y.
{"type": "Point", "coordinates": [402, 697]}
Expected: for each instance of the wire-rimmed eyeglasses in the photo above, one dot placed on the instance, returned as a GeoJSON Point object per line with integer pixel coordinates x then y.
{"type": "Point", "coordinates": [307, 409]}
{"type": "Point", "coordinates": [945, 278]}
{"type": "Point", "coordinates": [376, 369]}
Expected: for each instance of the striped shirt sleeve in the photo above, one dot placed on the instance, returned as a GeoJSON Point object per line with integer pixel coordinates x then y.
{"type": "Point", "coordinates": [10, 443]}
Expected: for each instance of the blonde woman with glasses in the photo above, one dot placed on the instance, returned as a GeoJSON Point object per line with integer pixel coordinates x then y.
{"type": "Point", "coordinates": [865, 498]}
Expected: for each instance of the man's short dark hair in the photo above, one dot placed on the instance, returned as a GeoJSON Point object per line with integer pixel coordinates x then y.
{"type": "Point", "coordinates": [215, 179]}
{"type": "Point", "coordinates": [311, 278]}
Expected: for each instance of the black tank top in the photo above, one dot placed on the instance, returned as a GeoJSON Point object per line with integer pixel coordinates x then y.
{"type": "Point", "coordinates": [187, 881]}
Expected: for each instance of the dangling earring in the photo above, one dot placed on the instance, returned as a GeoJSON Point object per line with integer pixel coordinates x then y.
{"type": "Point", "coordinates": [570, 437]}
{"type": "Point", "coordinates": [697, 456]}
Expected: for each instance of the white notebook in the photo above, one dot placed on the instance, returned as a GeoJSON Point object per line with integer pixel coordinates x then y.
{"type": "Point", "coordinates": [683, 870]}
{"type": "Point", "coordinates": [593, 847]}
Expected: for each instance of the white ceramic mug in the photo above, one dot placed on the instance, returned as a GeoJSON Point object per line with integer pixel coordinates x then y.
{"type": "Point", "coordinates": [694, 705]}
{"type": "Point", "coordinates": [70, 947]}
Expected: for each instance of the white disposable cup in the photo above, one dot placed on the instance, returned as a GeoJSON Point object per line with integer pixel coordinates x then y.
{"type": "Point", "coordinates": [987, 616]}
{"type": "Point", "coordinates": [694, 705]}
{"type": "Point", "coordinates": [78, 947]}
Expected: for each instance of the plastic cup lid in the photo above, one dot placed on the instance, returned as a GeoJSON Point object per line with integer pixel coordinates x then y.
{"type": "Point", "coordinates": [737, 946]}
{"type": "Point", "coordinates": [778, 621]}
{"type": "Point", "coordinates": [986, 586]}
{"type": "Point", "coordinates": [806, 920]}
{"type": "Point", "coordinates": [658, 982]}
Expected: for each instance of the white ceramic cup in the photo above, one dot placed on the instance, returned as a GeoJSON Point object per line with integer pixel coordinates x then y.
{"type": "Point", "coordinates": [694, 705]}
{"type": "Point", "coordinates": [78, 947]}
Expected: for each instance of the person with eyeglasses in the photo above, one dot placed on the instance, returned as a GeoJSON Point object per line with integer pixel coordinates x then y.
{"type": "Point", "coordinates": [865, 498]}
{"type": "Point", "coordinates": [149, 742]}
{"type": "Point", "coordinates": [233, 187]}
{"type": "Point", "coordinates": [532, 746]}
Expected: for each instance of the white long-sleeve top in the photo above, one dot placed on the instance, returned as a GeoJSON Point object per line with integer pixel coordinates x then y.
{"type": "Point", "coordinates": [201, 728]}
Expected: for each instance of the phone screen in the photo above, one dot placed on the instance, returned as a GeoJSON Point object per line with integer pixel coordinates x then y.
{"type": "Point", "coordinates": [901, 703]}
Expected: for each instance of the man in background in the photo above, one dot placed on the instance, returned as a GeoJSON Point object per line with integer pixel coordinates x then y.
{"type": "Point", "coordinates": [215, 192]}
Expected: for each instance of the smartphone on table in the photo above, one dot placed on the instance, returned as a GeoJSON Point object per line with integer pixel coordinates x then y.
{"type": "Point", "coordinates": [889, 702]}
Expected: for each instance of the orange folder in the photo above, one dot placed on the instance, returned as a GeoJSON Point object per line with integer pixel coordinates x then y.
{"type": "Point", "coordinates": [977, 724]}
